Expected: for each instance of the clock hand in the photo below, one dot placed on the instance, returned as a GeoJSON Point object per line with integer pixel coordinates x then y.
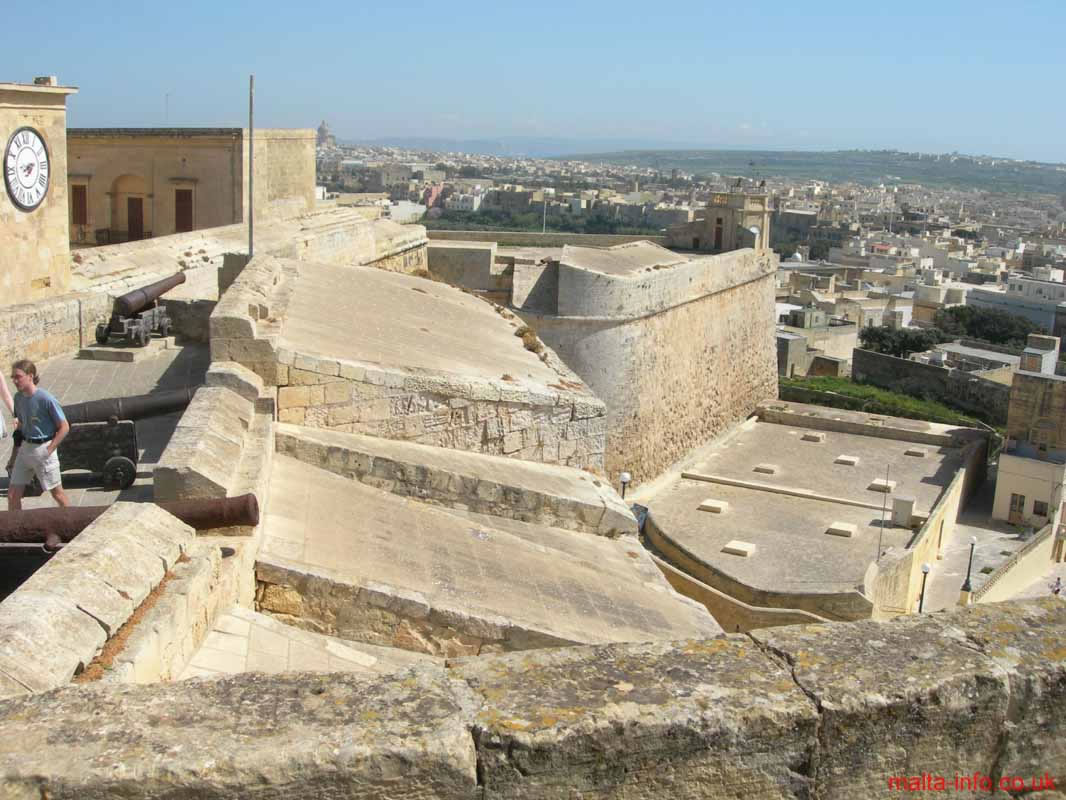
{"type": "Point", "coordinates": [26, 170]}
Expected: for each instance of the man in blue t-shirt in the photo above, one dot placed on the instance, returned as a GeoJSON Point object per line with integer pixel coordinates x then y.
{"type": "Point", "coordinates": [42, 425]}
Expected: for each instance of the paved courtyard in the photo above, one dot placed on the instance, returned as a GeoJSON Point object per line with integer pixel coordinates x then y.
{"type": "Point", "coordinates": [73, 380]}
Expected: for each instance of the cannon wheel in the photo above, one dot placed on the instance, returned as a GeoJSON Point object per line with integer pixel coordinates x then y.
{"type": "Point", "coordinates": [120, 471]}
{"type": "Point", "coordinates": [164, 328]}
{"type": "Point", "coordinates": [103, 332]}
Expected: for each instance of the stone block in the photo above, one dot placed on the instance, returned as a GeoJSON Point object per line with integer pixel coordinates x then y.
{"type": "Point", "coordinates": [881, 485]}
{"type": "Point", "coordinates": [294, 397]}
{"type": "Point", "coordinates": [714, 506]}
{"type": "Point", "coordinates": [916, 452]}
{"type": "Point", "coordinates": [766, 469]}
{"type": "Point", "coordinates": [813, 436]}
{"type": "Point", "coordinates": [204, 453]}
{"type": "Point", "coordinates": [845, 529]}
{"type": "Point", "coordinates": [340, 392]}
{"type": "Point", "coordinates": [736, 547]}
{"type": "Point", "coordinates": [291, 415]}
{"type": "Point", "coordinates": [848, 461]}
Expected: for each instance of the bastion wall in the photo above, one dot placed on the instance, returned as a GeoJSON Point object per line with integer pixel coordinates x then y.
{"type": "Point", "coordinates": [677, 355]}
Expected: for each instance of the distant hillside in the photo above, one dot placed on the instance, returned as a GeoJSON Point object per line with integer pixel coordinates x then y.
{"type": "Point", "coordinates": [862, 166]}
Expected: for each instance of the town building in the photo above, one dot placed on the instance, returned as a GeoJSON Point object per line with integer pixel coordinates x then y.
{"type": "Point", "coordinates": [731, 221]}
{"type": "Point", "coordinates": [1032, 466]}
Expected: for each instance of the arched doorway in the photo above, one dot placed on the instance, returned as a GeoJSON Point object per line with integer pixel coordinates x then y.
{"type": "Point", "coordinates": [130, 210]}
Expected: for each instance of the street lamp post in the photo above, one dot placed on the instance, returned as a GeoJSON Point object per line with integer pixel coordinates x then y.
{"type": "Point", "coordinates": [625, 478]}
{"type": "Point", "coordinates": [969, 567]}
{"type": "Point", "coordinates": [921, 597]}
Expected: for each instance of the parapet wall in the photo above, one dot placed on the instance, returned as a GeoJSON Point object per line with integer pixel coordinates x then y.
{"type": "Point", "coordinates": [835, 711]}
{"type": "Point", "coordinates": [677, 355]}
{"type": "Point", "coordinates": [533, 239]}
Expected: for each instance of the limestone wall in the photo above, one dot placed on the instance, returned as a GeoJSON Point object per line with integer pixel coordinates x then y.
{"type": "Point", "coordinates": [829, 711]}
{"type": "Point", "coordinates": [678, 375]}
{"type": "Point", "coordinates": [1021, 570]}
{"type": "Point", "coordinates": [48, 328]}
{"type": "Point", "coordinates": [985, 398]}
{"type": "Point", "coordinates": [732, 614]}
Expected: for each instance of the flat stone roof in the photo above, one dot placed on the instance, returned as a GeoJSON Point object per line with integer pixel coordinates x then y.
{"type": "Point", "coordinates": [620, 259]}
{"type": "Point", "coordinates": [370, 315]}
{"type": "Point", "coordinates": [793, 551]}
{"type": "Point", "coordinates": [600, 590]}
{"type": "Point", "coordinates": [810, 465]}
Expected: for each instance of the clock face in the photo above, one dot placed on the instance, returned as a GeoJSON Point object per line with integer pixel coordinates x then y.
{"type": "Point", "coordinates": [26, 168]}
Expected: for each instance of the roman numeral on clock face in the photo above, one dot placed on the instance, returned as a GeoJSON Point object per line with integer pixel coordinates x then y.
{"type": "Point", "coordinates": [42, 180]}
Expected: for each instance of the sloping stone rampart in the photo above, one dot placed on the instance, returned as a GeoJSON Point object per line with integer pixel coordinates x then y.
{"type": "Point", "coordinates": [560, 423]}
{"type": "Point", "coordinates": [560, 497]}
{"type": "Point", "coordinates": [826, 711]}
{"type": "Point", "coordinates": [54, 624]}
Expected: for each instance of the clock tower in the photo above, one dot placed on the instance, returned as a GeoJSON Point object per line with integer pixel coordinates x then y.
{"type": "Point", "coordinates": [34, 218]}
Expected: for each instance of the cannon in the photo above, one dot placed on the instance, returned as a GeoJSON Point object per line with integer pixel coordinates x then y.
{"type": "Point", "coordinates": [53, 526]}
{"type": "Point", "coordinates": [103, 438]}
{"type": "Point", "coordinates": [137, 314]}
{"type": "Point", "coordinates": [135, 407]}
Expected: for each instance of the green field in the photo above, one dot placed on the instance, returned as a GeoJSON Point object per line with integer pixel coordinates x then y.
{"type": "Point", "coordinates": [842, 393]}
{"type": "Point", "coordinates": [861, 166]}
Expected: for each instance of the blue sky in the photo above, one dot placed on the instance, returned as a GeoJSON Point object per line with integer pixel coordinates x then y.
{"type": "Point", "coordinates": [974, 77]}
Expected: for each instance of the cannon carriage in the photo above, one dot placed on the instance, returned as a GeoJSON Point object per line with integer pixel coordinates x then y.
{"type": "Point", "coordinates": [138, 314]}
{"type": "Point", "coordinates": [103, 437]}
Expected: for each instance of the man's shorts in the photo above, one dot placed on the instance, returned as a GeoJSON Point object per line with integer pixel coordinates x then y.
{"type": "Point", "coordinates": [35, 458]}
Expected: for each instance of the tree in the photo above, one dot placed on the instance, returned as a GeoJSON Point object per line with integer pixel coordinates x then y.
{"type": "Point", "coordinates": [900, 342]}
{"type": "Point", "coordinates": [990, 325]}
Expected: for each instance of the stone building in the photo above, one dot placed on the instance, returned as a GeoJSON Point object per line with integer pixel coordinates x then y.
{"type": "Point", "coordinates": [1032, 466]}
{"type": "Point", "coordinates": [135, 183]}
{"type": "Point", "coordinates": [35, 257]}
{"type": "Point", "coordinates": [730, 222]}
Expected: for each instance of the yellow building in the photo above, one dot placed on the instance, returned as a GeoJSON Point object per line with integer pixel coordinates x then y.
{"type": "Point", "coordinates": [135, 183]}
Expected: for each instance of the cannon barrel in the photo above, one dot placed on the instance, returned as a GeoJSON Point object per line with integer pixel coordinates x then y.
{"type": "Point", "coordinates": [135, 407]}
{"type": "Point", "coordinates": [130, 303]}
{"type": "Point", "coordinates": [36, 526]}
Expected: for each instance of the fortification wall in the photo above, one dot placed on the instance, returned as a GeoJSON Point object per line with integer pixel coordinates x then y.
{"type": "Point", "coordinates": [985, 398]}
{"type": "Point", "coordinates": [551, 239]}
{"type": "Point", "coordinates": [679, 375]}
{"type": "Point", "coordinates": [829, 711]}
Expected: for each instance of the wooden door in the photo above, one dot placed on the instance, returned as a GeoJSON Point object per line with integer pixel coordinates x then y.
{"type": "Point", "coordinates": [182, 210]}
{"type": "Point", "coordinates": [135, 218]}
{"type": "Point", "coordinates": [1017, 506]}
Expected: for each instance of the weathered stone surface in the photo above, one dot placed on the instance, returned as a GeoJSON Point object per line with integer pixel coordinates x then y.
{"type": "Point", "coordinates": [903, 698]}
{"type": "Point", "coordinates": [295, 736]}
{"type": "Point", "coordinates": [1026, 641]}
{"type": "Point", "coordinates": [715, 718]}
{"type": "Point", "coordinates": [54, 624]}
{"type": "Point", "coordinates": [732, 717]}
